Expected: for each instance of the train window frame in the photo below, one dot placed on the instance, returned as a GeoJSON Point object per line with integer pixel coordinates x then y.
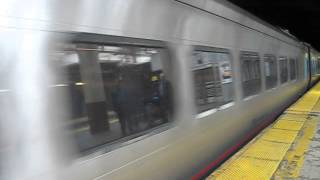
{"type": "Point", "coordinates": [295, 69]}
{"type": "Point", "coordinates": [313, 67]}
{"type": "Point", "coordinates": [318, 65]}
{"type": "Point", "coordinates": [207, 49]}
{"type": "Point", "coordinates": [110, 40]}
{"type": "Point", "coordinates": [283, 58]}
{"type": "Point", "coordinates": [245, 79]}
{"type": "Point", "coordinates": [270, 57]}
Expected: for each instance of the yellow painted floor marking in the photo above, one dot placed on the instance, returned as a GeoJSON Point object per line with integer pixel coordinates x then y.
{"type": "Point", "coordinates": [267, 150]}
{"type": "Point", "coordinates": [304, 106]}
{"type": "Point", "coordinates": [288, 125]}
{"type": "Point", "coordinates": [260, 159]}
{"type": "Point", "coordinates": [293, 161]}
{"type": "Point", "coordinates": [316, 108]}
{"type": "Point", "coordinates": [294, 117]}
{"type": "Point", "coordinates": [280, 135]}
{"type": "Point", "coordinates": [298, 112]}
{"type": "Point", "coordinates": [283, 142]}
{"type": "Point", "coordinates": [246, 169]}
{"type": "Point", "coordinates": [307, 102]}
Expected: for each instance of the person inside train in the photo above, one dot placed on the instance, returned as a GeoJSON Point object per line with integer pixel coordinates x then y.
{"type": "Point", "coordinates": [126, 102]}
{"type": "Point", "coordinates": [165, 97]}
{"type": "Point", "coordinates": [119, 99]}
{"type": "Point", "coordinates": [158, 106]}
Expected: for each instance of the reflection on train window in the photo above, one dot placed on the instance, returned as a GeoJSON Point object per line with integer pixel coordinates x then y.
{"type": "Point", "coordinates": [306, 65]}
{"type": "Point", "coordinates": [270, 71]}
{"type": "Point", "coordinates": [293, 69]}
{"type": "Point", "coordinates": [213, 79]}
{"type": "Point", "coordinates": [314, 62]}
{"type": "Point", "coordinates": [312, 67]}
{"type": "Point", "coordinates": [318, 65]}
{"type": "Point", "coordinates": [283, 65]}
{"type": "Point", "coordinates": [115, 91]}
{"type": "Point", "coordinates": [250, 70]}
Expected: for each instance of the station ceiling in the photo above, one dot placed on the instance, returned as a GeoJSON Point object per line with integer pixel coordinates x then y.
{"type": "Point", "coordinates": [300, 17]}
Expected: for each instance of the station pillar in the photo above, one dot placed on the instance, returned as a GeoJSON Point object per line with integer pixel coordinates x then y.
{"type": "Point", "coordinates": [94, 93]}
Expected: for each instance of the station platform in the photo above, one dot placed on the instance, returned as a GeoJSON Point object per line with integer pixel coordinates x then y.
{"type": "Point", "coordinates": [288, 149]}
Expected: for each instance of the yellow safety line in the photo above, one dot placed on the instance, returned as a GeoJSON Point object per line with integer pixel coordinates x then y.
{"type": "Point", "coordinates": [282, 143]}
{"type": "Point", "coordinates": [293, 161]}
{"type": "Point", "coordinates": [316, 108]}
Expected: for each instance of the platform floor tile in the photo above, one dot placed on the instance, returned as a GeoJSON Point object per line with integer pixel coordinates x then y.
{"type": "Point", "coordinates": [248, 169]}
{"type": "Point", "coordinates": [288, 125]}
{"type": "Point", "coordinates": [278, 151]}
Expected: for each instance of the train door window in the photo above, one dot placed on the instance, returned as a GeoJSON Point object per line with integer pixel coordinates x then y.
{"type": "Point", "coordinates": [250, 73]}
{"type": "Point", "coordinates": [283, 65]}
{"type": "Point", "coordinates": [306, 65]}
{"type": "Point", "coordinates": [116, 89]}
{"type": "Point", "coordinates": [318, 65]}
{"type": "Point", "coordinates": [313, 66]}
{"type": "Point", "coordinates": [293, 69]}
{"type": "Point", "coordinates": [270, 71]}
{"type": "Point", "coordinates": [213, 78]}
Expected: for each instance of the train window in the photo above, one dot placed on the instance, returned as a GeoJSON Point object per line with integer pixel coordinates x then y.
{"type": "Point", "coordinates": [318, 66]}
{"type": "Point", "coordinates": [115, 90]}
{"type": "Point", "coordinates": [293, 69]}
{"type": "Point", "coordinates": [212, 77]}
{"type": "Point", "coordinates": [314, 66]}
{"type": "Point", "coordinates": [283, 65]}
{"type": "Point", "coordinates": [270, 71]}
{"type": "Point", "coordinates": [250, 70]}
{"type": "Point", "coordinates": [306, 65]}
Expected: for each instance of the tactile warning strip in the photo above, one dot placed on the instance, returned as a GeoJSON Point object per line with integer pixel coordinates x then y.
{"type": "Point", "coordinates": [316, 108]}
{"type": "Point", "coordinates": [292, 163]}
{"type": "Point", "coordinates": [288, 125]}
{"type": "Point", "coordinates": [266, 153]}
{"type": "Point", "coordinates": [261, 158]}
{"type": "Point", "coordinates": [279, 135]}
{"type": "Point", "coordinates": [247, 168]}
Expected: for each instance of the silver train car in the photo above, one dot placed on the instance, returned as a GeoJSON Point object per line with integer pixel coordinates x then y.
{"type": "Point", "coordinates": [139, 89]}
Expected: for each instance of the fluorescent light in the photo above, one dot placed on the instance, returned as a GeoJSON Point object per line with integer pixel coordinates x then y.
{"type": "Point", "coordinates": [4, 90]}
{"type": "Point", "coordinates": [79, 83]}
{"type": "Point", "coordinates": [59, 85]}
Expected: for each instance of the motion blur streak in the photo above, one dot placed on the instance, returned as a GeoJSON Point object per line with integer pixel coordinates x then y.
{"type": "Point", "coordinates": [26, 143]}
{"type": "Point", "coordinates": [137, 89]}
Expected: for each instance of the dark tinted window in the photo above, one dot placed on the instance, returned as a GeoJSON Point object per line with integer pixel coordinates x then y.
{"type": "Point", "coordinates": [283, 65]}
{"type": "Point", "coordinates": [306, 65]}
{"type": "Point", "coordinates": [115, 90]}
{"type": "Point", "coordinates": [250, 73]}
{"type": "Point", "coordinates": [213, 79]}
{"type": "Point", "coordinates": [318, 66]}
{"type": "Point", "coordinates": [270, 71]}
{"type": "Point", "coordinates": [293, 69]}
{"type": "Point", "coordinates": [314, 66]}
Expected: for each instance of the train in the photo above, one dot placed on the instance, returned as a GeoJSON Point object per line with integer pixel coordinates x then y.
{"type": "Point", "coordinates": [139, 89]}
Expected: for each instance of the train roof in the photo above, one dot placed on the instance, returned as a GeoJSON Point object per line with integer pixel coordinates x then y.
{"type": "Point", "coordinates": [234, 13]}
